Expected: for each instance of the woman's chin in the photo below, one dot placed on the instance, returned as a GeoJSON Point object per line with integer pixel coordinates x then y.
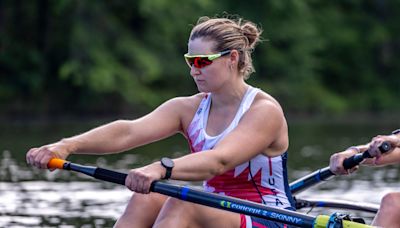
{"type": "Point", "coordinates": [202, 89]}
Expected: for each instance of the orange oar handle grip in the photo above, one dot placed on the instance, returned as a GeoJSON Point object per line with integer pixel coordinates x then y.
{"type": "Point", "coordinates": [56, 163]}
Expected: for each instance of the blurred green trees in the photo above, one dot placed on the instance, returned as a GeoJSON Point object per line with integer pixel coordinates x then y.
{"type": "Point", "coordinates": [83, 57]}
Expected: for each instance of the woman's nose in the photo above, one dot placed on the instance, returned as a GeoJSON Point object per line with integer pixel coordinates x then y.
{"type": "Point", "coordinates": [194, 71]}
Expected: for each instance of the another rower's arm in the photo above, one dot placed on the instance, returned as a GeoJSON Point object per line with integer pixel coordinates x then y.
{"type": "Point", "coordinates": [390, 157]}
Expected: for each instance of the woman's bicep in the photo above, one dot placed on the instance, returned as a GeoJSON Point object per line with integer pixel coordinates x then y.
{"type": "Point", "coordinates": [164, 121]}
{"type": "Point", "coordinates": [255, 134]}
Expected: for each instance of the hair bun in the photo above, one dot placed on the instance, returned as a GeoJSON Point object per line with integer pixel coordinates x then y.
{"type": "Point", "coordinates": [252, 33]}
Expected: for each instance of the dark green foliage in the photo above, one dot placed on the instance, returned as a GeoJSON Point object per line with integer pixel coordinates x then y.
{"type": "Point", "coordinates": [73, 57]}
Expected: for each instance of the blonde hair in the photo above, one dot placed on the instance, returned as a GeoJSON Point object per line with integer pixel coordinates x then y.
{"type": "Point", "coordinates": [230, 34]}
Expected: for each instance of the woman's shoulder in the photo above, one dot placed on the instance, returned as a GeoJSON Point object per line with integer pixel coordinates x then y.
{"type": "Point", "coordinates": [193, 100]}
{"type": "Point", "coordinates": [266, 100]}
{"type": "Point", "coordinates": [186, 104]}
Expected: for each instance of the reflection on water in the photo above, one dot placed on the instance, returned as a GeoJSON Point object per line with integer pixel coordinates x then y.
{"type": "Point", "coordinates": [38, 203]}
{"type": "Point", "coordinates": [39, 198]}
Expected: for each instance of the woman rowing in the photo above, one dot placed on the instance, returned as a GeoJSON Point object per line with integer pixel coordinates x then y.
{"type": "Point", "coordinates": [389, 211]}
{"type": "Point", "coordinates": [237, 134]}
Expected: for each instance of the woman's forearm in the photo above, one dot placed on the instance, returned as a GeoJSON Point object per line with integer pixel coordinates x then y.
{"type": "Point", "coordinates": [197, 167]}
{"type": "Point", "coordinates": [110, 138]}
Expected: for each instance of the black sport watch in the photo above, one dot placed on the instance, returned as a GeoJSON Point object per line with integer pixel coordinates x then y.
{"type": "Point", "coordinates": [168, 165]}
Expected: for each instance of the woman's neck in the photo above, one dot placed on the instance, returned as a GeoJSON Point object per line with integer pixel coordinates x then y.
{"type": "Point", "coordinates": [230, 95]}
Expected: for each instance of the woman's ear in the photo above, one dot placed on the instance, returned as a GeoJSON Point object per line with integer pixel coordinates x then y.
{"type": "Point", "coordinates": [234, 57]}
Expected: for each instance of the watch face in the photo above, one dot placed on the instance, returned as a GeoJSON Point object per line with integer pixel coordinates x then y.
{"type": "Point", "coordinates": [167, 162]}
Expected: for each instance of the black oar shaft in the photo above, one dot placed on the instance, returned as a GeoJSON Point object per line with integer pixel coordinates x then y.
{"type": "Point", "coordinates": [98, 173]}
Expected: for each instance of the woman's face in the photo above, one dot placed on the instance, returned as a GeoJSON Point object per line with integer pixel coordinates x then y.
{"type": "Point", "coordinates": [208, 78]}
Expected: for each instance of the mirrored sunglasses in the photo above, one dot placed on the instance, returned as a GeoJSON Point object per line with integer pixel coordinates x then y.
{"type": "Point", "coordinates": [200, 61]}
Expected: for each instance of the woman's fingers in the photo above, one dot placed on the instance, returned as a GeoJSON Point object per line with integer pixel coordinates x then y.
{"type": "Point", "coordinates": [128, 182]}
{"type": "Point", "coordinates": [132, 181]}
{"type": "Point", "coordinates": [376, 143]}
{"type": "Point", "coordinates": [29, 156]}
{"type": "Point", "coordinates": [32, 156]}
{"type": "Point", "coordinates": [139, 181]}
{"type": "Point", "coordinates": [45, 160]}
{"type": "Point", "coordinates": [39, 157]}
{"type": "Point", "coordinates": [336, 165]}
{"type": "Point", "coordinates": [352, 170]}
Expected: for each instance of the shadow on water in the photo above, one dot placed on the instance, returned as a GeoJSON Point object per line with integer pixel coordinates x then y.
{"type": "Point", "coordinates": [39, 198]}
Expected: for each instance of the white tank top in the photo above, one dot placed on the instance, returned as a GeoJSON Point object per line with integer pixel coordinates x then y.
{"type": "Point", "coordinates": [269, 174]}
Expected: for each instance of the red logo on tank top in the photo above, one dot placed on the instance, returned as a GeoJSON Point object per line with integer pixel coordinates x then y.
{"type": "Point", "coordinates": [241, 186]}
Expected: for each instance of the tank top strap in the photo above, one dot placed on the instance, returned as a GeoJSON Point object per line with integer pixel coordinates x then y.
{"type": "Point", "coordinates": [249, 98]}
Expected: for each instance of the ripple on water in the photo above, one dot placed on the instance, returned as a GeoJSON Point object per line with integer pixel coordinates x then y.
{"type": "Point", "coordinates": [33, 203]}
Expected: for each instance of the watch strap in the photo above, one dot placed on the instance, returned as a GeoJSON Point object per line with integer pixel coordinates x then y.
{"type": "Point", "coordinates": [168, 164]}
{"type": "Point", "coordinates": [167, 173]}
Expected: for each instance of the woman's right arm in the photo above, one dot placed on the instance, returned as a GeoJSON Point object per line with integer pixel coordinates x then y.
{"type": "Point", "coordinates": [116, 136]}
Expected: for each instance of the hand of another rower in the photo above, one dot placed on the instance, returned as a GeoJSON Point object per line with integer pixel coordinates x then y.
{"type": "Point", "coordinates": [336, 162]}
{"type": "Point", "coordinates": [389, 157]}
{"type": "Point", "coordinates": [377, 141]}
